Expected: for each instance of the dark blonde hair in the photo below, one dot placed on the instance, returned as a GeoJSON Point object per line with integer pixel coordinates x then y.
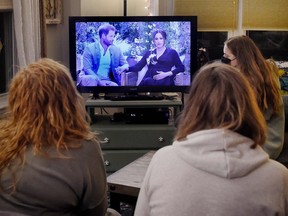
{"type": "Point", "coordinates": [259, 72]}
{"type": "Point", "coordinates": [221, 97]}
{"type": "Point", "coordinates": [44, 109]}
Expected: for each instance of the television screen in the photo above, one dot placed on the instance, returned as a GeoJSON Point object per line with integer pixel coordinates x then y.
{"type": "Point", "coordinates": [133, 54]}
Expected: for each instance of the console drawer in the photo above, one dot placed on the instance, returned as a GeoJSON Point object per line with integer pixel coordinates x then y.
{"type": "Point", "coordinates": [115, 160]}
{"type": "Point", "coordinates": [136, 137]}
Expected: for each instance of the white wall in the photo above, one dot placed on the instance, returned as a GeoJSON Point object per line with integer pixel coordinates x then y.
{"type": "Point", "coordinates": [58, 34]}
{"type": "Point", "coordinates": [137, 7]}
{"type": "Point", "coordinates": [101, 7]}
{"type": "Point", "coordinates": [114, 7]}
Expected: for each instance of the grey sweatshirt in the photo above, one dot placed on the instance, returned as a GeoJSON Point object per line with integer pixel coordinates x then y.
{"type": "Point", "coordinates": [213, 173]}
{"type": "Point", "coordinates": [59, 186]}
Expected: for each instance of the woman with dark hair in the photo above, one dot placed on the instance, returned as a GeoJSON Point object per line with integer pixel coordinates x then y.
{"type": "Point", "coordinates": [163, 63]}
{"type": "Point", "coordinates": [242, 53]}
{"type": "Point", "coordinates": [50, 161]}
{"type": "Point", "coordinates": [216, 165]}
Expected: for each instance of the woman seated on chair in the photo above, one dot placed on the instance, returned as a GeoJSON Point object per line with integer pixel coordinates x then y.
{"type": "Point", "coordinates": [216, 165]}
{"type": "Point", "coordinates": [50, 161]}
{"type": "Point", "coordinates": [163, 63]}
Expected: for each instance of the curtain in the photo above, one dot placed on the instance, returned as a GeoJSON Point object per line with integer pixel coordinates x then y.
{"type": "Point", "coordinates": [166, 7]}
{"type": "Point", "coordinates": [27, 31]}
{"type": "Point", "coordinates": [265, 15]}
{"type": "Point", "coordinates": [6, 4]}
{"type": "Point", "coordinates": [213, 15]}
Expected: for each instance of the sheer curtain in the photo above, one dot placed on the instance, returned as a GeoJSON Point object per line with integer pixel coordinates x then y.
{"type": "Point", "coordinates": [265, 15]}
{"type": "Point", "coordinates": [28, 30]}
{"type": "Point", "coordinates": [216, 15]}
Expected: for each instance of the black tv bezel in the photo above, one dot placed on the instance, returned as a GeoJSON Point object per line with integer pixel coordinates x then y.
{"type": "Point", "coordinates": [131, 89]}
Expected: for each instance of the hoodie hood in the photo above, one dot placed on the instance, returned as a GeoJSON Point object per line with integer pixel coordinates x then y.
{"type": "Point", "coordinates": [221, 152]}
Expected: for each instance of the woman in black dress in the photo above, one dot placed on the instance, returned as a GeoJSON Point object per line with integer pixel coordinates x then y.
{"type": "Point", "coordinates": [163, 63]}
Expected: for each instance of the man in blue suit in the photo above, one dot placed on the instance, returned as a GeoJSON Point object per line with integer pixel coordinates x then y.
{"type": "Point", "coordinates": [104, 61]}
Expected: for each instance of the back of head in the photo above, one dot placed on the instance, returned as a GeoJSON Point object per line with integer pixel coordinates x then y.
{"type": "Point", "coordinates": [45, 110]}
{"type": "Point", "coordinates": [221, 97]}
{"type": "Point", "coordinates": [45, 107]}
{"type": "Point", "coordinates": [253, 65]}
{"type": "Point", "coordinates": [249, 57]}
{"type": "Point", "coordinates": [244, 49]}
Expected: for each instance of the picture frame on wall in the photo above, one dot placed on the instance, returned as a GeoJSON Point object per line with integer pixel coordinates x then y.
{"type": "Point", "coordinates": [53, 11]}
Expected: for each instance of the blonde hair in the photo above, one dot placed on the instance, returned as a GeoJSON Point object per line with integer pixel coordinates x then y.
{"type": "Point", "coordinates": [258, 71]}
{"type": "Point", "coordinates": [44, 109]}
{"type": "Point", "coordinates": [221, 97]}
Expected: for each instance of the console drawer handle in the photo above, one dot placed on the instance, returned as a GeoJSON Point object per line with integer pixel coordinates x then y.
{"type": "Point", "coordinates": [105, 140]}
{"type": "Point", "coordinates": [107, 163]}
{"type": "Point", "coordinates": [161, 139]}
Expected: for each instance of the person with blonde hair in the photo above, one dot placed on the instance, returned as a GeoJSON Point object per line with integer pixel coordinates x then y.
{"type": "Point", "coordinates": [216, 165]}
{"type": "Point", "coordinates": [242, 53]}
{"type": "Point", "coordinates": [50, 161]}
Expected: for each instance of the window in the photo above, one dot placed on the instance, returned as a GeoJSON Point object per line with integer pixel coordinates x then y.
{"type": "Point", "coordinates": [213, 42]}
{"type": "Point", "coordinates": [273, 44]}
{"type": "Point", "coordinates": [6, 50]}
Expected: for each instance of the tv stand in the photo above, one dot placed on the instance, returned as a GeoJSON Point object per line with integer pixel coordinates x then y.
{"type": "Point", "coordinates": [131, 97]}
{"type": "Point", "coordinates": [126, 140]}
{"type": "Point", "coordinates": [136, 97]}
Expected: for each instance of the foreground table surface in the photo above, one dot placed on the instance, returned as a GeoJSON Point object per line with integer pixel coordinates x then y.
{"type": "Point", "coordinates": [124, 185]}
{"type": "Point", "coordinates": [128, 180]}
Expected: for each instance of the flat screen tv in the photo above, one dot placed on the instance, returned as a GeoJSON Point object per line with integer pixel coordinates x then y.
{"type": "Point", "coordinates": [135, 55]}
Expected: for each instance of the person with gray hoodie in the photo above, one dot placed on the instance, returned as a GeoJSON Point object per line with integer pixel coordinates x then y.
{"type": "Point", "coordinates": [216, 165]}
